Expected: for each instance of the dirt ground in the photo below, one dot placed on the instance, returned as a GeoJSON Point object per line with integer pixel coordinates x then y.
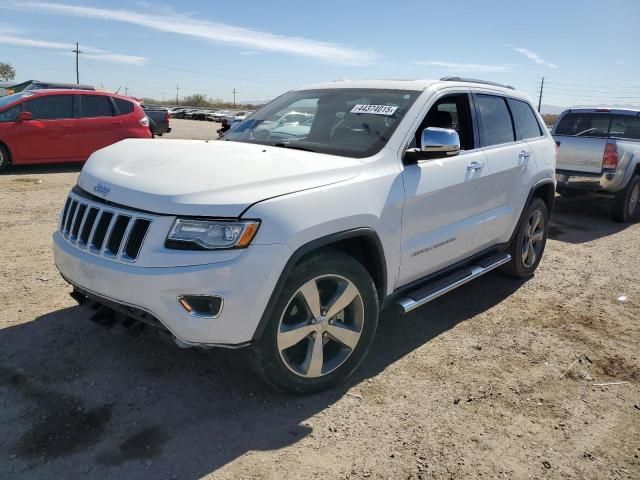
{"type": "Point", "coordinates": [499, 379]}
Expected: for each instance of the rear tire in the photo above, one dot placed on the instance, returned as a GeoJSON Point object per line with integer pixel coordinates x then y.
{"type": "Point", "coordinates": [5, 160]}
{"type": "Point", "coordinates": [527, 247]}
{"type": "Point", "coordinates": [626, 204]}
{"type": "Point", "coordinates": [303, 352]}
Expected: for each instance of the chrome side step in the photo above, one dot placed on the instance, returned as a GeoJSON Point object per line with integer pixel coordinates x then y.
{"type": "Point", "coordinates": [432, 290]}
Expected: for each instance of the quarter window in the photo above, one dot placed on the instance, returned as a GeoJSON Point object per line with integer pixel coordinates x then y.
{"type": "Point", "coordinates": [51, 107]}
{"type": "Point", "coordinates": [124, 107]}
{"type": "Point", "coordinates": [494, 120]}
{"type": "Point", "coordinates": [527, 125]}
{"type": "Point", "coordinates": [96, 106]}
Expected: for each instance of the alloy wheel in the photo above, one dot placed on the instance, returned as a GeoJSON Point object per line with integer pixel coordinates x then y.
{"type": "Point", "coordinates": [532, 240]}
{"type": "Point", "coordinates": [320, 326]}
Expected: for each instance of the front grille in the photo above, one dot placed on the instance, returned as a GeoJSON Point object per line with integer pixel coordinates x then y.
{"type": "Point", "coordinates": [102, 229]}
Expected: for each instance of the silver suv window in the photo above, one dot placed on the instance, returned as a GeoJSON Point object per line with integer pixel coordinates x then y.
{"type": "Point", "coordinates": [494, 120]}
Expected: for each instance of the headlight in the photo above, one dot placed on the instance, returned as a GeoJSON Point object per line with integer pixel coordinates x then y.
{"type": "Point", "coordinates": [211, 234]}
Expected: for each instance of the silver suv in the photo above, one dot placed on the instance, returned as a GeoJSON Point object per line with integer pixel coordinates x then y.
{"type": "Point", "coordinates": [599, 150]}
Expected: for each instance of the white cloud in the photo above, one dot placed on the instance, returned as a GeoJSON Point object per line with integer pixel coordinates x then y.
{"type": "Point", "coordinates": [250, 53]}
{"type": "Point", "coordinates": [533, 56]}
{"type": "Point", "coordinates": [464, 67]}
{"type": "Point", "coordinates": [89, 52]}
{"type": "Point", "coordinates": [218, 32]}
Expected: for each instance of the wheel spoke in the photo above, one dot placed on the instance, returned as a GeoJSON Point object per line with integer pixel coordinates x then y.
{"type": "Point", "coordinates": [292, 337]}
{"type": "Point", "coordinates": [342, 299]}
{"type": "Point", "coordinates": [312, 297]}
{"type": "Point", "coordinates": [343, 335]}
{"type": "Point", "coordinates": [315, 358]}
{"type": "Point", "coordinates": [535, 220]}
{"type": "Point", "coordinates": [525, 250]}
{"type": "Point", "coordinates": [532, 254]}
{"type": "Point", "coordinates": [538, 236]}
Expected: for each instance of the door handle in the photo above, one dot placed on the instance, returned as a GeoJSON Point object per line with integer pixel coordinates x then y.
{"type": "Point", "coordinates": [475, 166]}
{"type": "Point", "coordinates": [524, 155]}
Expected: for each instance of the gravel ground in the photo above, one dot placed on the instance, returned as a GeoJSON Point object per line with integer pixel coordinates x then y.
{"type": "Point", "coordinates": [192, 129]}
{"type": "Point", "coordinates": [499, 379]}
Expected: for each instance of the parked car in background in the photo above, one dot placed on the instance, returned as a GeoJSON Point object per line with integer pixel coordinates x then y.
{"type": "Point", "coordinates": [599, 151]}
{"type": "Point", "coordinates": [158, 120]}
{"type": "Point", "coordinates": [230, 120]}
{"type": "Point", "coordinates": [56, 126]}
{"type": "Point", "coordinates": [401, 192]}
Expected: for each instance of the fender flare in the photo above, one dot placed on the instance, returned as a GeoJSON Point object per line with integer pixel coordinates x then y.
{"type": "Point", "coordinates": [310, 247]}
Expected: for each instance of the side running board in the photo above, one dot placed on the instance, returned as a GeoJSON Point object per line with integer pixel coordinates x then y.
{"type": "Point", "coordinates": [432, 290]}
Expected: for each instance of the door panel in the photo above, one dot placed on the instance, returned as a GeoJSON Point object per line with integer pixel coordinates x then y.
{"type": "Point", "coordinates": [51, 135]}
{"type": "Point", "coordinates": [445, 209]}
{"type": "Point", "coordinates": [509, 168]}
{"type": "Point", "coordinates": [98, 127]}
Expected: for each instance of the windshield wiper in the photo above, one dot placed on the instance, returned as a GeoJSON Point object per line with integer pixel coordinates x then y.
{"type": "Point", "coordinates": [293, 146]}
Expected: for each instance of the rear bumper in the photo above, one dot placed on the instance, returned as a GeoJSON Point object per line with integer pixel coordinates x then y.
{"type": "Point", "coordinates": [244, 283]}
{"type": "Point", "coordinates": [606, 182]}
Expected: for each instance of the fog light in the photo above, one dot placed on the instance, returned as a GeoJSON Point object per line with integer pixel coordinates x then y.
{"type": "Point", "coordinates": [208, 306]}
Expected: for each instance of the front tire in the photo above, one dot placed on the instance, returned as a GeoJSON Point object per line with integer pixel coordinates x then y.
{"type": "Point", "coordinates": [321, 327]}
{"type": "Point", "coordinates": [4, 158]}
{"type": "Point", "coordinates": [527, 247]}
{"type": "Point", "coordinates": [626, 204]}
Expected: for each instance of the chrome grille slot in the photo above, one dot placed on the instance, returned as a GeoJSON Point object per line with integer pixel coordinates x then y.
{"type": "Point", "coordinates": [72, 213]}
{"type": "Point", "coordinates": [75, 228]}
{"type": "Point", "coordinates": [116, 236]}
{"type": "Point", "coordinates": [102, 229]}
{"type": "Point", "coordinates": [64, 213]}
{"type": "Point", "coordinates": [136, 237]}
{"type": "Point", "coordinates": [88, 226]}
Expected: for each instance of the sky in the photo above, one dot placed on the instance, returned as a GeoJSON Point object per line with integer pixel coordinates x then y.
{"type": "Point", "coordinates": [586, 50]}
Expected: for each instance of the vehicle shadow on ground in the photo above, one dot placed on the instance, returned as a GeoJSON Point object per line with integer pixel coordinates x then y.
{"type": "Point", "coordinates": [80, 400]}
{"type": "Point", "coordinates": [582, 218]}
{"type": "Point", "coordinates": [44, 169]}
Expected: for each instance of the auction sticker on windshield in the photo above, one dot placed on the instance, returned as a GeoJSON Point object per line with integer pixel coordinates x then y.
{"type": "Point", "coordinates": [375, 109]}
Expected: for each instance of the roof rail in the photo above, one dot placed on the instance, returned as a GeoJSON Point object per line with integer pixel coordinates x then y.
{"type": "Point", "coordinates": [473, 80]}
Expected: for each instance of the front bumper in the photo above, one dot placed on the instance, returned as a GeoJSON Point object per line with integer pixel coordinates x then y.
{"type": "Point", "coordinates": [245, 283]}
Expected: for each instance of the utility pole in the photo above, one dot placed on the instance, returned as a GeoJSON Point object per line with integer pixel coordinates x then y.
{"type": "Point", "coordinates": [177, 90]}
{"type": "Point", "coordinates": [126, 91]}
{"type": "Point", "coordinates": [540, 98]}
{"type": "Point", "coordinates": [77, 51]}
{"type": "Point", "coordinates": [234, 98]}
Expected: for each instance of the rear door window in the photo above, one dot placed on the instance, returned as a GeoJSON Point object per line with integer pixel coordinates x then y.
{"type": "Point", "coordinates": [584, 125]}
{"type": "Point", "coordinates": [124, 107]}
{"type": "Point", "coordinates": [625, 126]}
{"type": "Point", "coordinates": [494, 120]}
{"type": "Point", "coordinates": [95, 106]}
{"type": "Point", "coordinates": [51, 107]}
{"type": "Point", "coordinates": [527, 125]}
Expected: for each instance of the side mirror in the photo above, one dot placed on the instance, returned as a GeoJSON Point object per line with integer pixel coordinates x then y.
{"type": "Point", "coordinates": [22, 116]}
{"type": "Point", "coordinates": [440, 141]}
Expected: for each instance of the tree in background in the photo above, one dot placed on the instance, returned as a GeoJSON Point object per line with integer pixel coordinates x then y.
{"type": "Point", "coordinates": [7, 72]}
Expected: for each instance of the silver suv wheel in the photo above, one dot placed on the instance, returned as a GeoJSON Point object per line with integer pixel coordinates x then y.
{"type": "Point", "coordinates": [633, 199]}
{"type": "Point", "coordinates": [532, 240]}
{"type": "Point", "coordinates": [320, 326]}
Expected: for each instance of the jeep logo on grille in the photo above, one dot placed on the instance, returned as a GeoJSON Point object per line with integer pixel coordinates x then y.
{"type": "Point", "coordinates": [102, 189]}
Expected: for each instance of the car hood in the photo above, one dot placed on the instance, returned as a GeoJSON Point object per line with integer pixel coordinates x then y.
{"type": "Point", "coordinates": [206, 178]}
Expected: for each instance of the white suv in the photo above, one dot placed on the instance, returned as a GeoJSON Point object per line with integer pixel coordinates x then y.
{"type": "Point", "coordinates": [396, 193]}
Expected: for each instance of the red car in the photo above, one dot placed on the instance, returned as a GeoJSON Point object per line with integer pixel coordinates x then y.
{"type": "Point", "coordinates": [56, 126]}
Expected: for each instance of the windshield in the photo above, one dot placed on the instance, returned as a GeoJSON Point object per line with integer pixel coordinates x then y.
{"type": "Point", "coordinates": [4, 101]}
{"type": "Point", "coordinates": [352, 122]}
